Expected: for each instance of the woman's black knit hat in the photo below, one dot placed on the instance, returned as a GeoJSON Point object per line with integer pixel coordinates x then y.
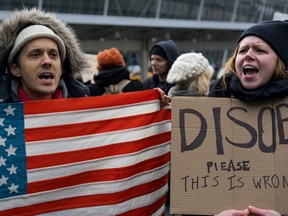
{"type": "Point", "coordinates": [275, 33]}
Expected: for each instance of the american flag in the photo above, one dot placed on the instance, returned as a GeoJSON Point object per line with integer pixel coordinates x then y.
{"type": "Point", "coordinates": [106, 155]}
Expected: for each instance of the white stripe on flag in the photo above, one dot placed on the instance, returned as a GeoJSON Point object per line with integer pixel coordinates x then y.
{"type": "Point", "coordinates": [159, 211]}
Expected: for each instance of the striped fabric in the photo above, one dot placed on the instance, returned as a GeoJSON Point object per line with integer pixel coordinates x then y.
{"type": "Point", "coordinates": [106, 155]}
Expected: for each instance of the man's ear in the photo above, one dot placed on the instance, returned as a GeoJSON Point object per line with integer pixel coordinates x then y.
{"type": "Point", "coordinates": [15, 70]}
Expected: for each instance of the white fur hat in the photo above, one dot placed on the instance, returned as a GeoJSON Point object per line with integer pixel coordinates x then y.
{"type": "Point", "coordinates": [32, 32]}
{"type": "Point", "coordinates": [187, 67]}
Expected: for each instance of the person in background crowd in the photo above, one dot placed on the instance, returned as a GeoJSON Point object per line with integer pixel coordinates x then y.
{"type": "Point", "coordinates": [162, 56]}
{"type": "Point", "coordinates": [256, 71]}
{"type": "Point", "coordinates": [39, 58]}
{"type": "Point", "coordinates": [113, 76]}
{"type": "Point", "coordinates": [191, 74]}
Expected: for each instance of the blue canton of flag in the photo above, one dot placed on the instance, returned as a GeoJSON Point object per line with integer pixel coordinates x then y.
{"type": "Point", "coordinates": [13, 174]}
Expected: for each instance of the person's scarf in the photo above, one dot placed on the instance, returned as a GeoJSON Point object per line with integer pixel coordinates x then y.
{"type": "Point", "coordinates": [273, 89]}
{"type": "Point", "coordinates": [23, 96]}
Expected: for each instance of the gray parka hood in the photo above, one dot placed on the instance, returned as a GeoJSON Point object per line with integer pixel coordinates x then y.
{"type": "Point", "coordinates": [75, 61]}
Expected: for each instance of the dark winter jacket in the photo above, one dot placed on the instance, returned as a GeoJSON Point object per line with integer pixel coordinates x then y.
{"type": "Point", "coordinates": [153, 82]}
{"type": "Point", "coordinates": [274, 89]}
{"type": "Point", "coordinates": [171, 51]}
{"type": "Point", "coordinates": [114, 81]}
{"type": "Point", "coordinates": [75, 62]}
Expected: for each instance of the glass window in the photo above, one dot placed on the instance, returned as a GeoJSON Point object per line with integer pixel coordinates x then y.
{"type": "Point", "coordinates": [74, 6]}
{"type": "Point", "coordinates": [181, 9]}
{"type": "Point", "coordinates": [218, 10]}
{"type": "Point", "coordinates": [16, 4]}
{"type": "Point", "coordinates": [139, 8]}
{"type": "Point", "coordinates": [249, 11]}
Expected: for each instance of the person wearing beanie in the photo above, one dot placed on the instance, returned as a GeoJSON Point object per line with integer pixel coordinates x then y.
{"type": "Point", "coordinates": [191, 74]}
{"type": "Point", "coordinates": [110, 58]}
{"type": "Point", "coordinates": [162, 56]}
{"type": "Point", "coordinates": [256, 71]}
{"type": "Point", "coordinates": [40, 58]}
{"type": "Point", "coordinates": [113, 76]}
{"type": "Point", "coordinates": [258, 67]}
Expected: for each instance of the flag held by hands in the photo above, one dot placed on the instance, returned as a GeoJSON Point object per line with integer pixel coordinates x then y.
{"type": "Point", "coordinates": [105, 155]}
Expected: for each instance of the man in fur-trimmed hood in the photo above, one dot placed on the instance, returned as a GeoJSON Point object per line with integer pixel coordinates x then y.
{"type": "Point", "coordinates": [27, 25]}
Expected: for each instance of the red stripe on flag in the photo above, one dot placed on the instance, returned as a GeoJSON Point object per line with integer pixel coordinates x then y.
{"type": "Point", "coordinates": [87, 128]}
{"type": "Point", "coordinates": [47, 160]}
{"type": "Point", "coordinates": [146, 210]}
{"type": "Point", "coordinates": [99, 175]}
{"type": "Point", "coordinates": [90, 200]}
{"type": "Point", "coordinates": [34, 107]}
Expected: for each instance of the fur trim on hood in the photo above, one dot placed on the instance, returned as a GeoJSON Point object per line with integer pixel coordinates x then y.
{"type": "Point", "coordinates": [75, 61]}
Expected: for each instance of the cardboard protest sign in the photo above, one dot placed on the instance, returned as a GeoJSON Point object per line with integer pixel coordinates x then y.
{"type": "Point", "coordinates": [227, 153]}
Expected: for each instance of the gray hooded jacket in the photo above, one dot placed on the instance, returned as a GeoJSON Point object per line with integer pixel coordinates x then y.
{"type": "Point", "coordinates": [74, 64]}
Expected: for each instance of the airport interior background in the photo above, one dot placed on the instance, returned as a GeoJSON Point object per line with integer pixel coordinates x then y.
{"type": "Point", "coordinates": [133, 26]}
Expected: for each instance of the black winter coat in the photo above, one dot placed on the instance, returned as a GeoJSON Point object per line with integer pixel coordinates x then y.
{"type": "Point", "coordinates": [153, 82]}
{"type": "Point", "coordinates": [114, 81]}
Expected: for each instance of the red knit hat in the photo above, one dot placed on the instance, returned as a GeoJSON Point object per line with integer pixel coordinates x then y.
{"type": "Point", "coordinates": [110, 58]}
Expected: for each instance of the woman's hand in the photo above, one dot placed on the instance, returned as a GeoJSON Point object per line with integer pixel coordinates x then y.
{"type": "Point", "coordinates": [233, 212]}
{"type": "Point", "coordinates": [251, 210]}
{"type": "Point", "coordinates": [164, 99]}
{"type": "Point", "coordinates": [262, 212]}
